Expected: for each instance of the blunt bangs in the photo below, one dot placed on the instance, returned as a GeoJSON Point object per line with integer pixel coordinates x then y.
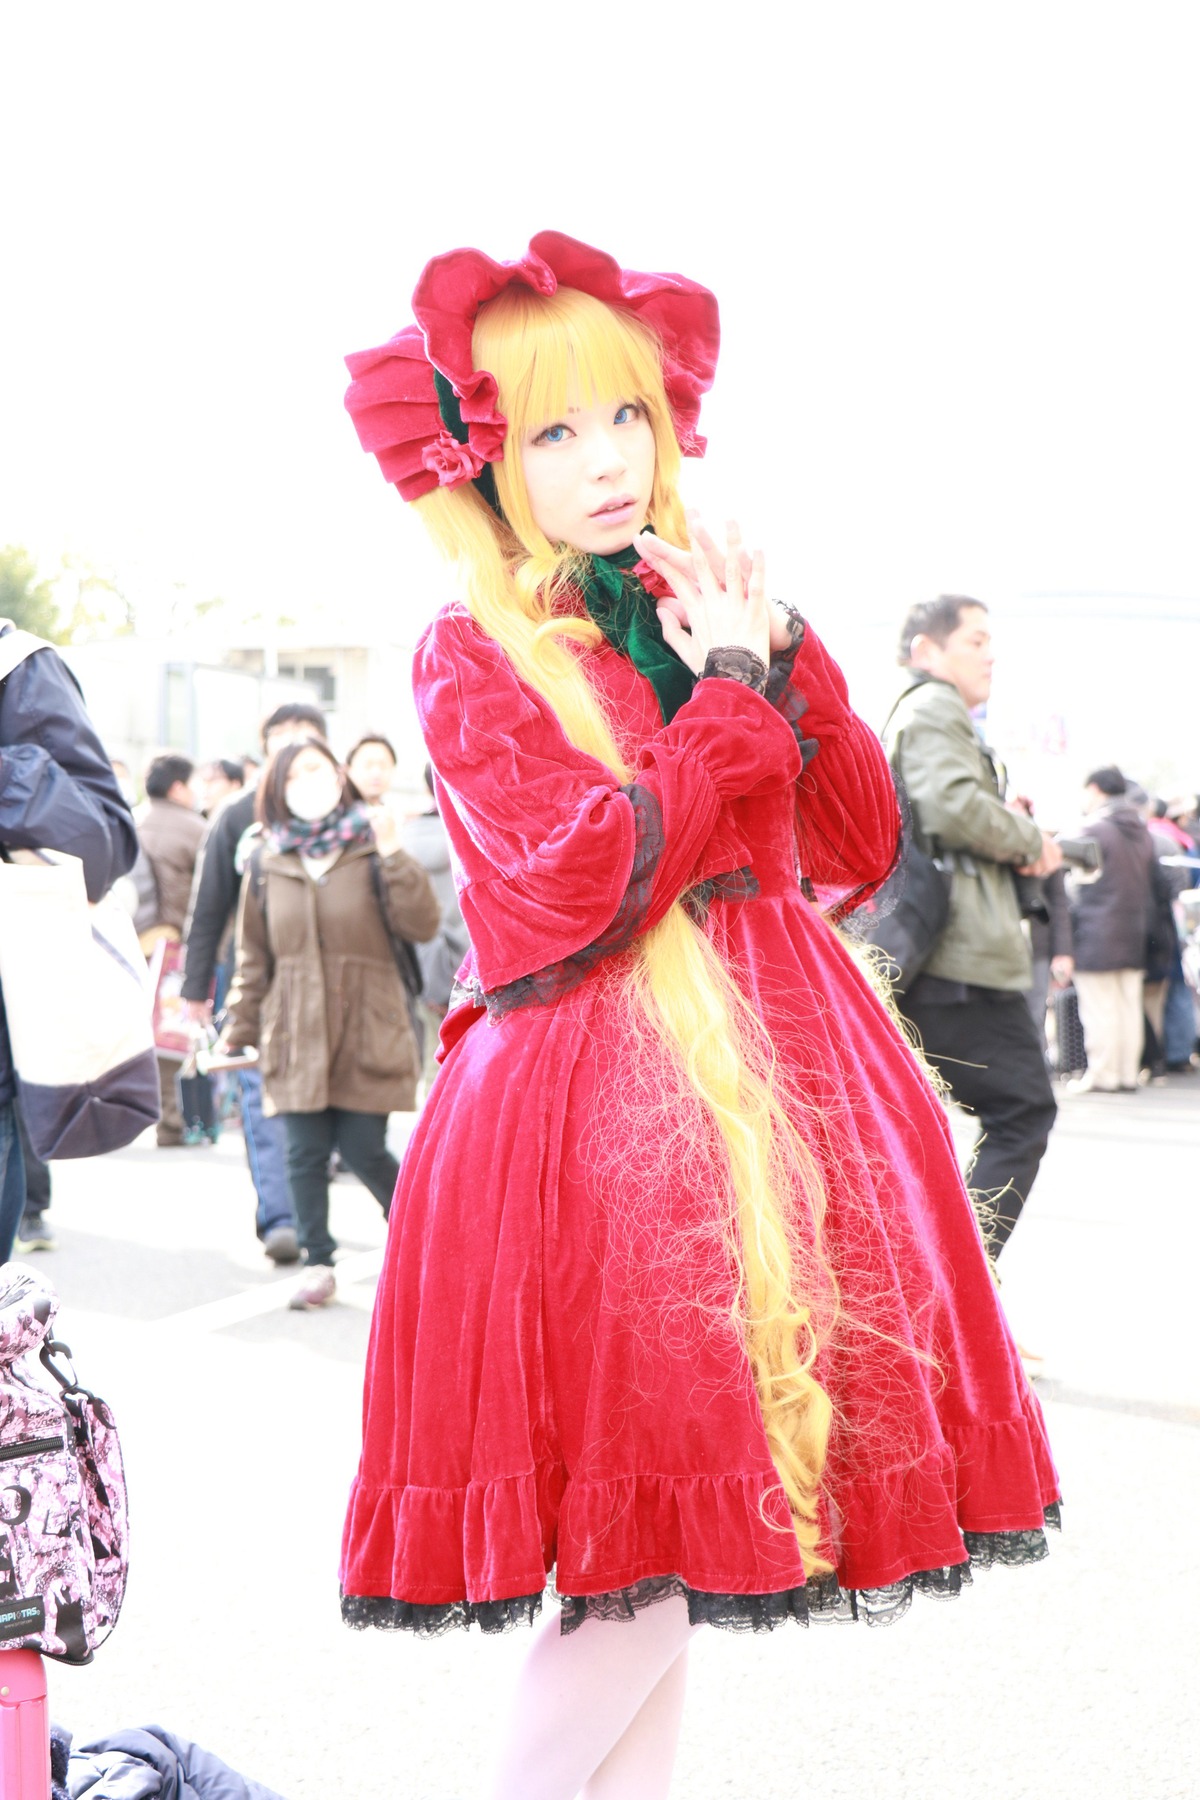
{"type": "Point", "coordinates": [550, 352]}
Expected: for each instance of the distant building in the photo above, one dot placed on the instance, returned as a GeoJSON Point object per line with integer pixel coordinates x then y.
{"type": "Point", "coordinates": [208, 700]}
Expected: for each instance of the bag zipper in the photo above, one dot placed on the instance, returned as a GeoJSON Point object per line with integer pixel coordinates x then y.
{"type": "Point", "coordinates": [31, 1447]}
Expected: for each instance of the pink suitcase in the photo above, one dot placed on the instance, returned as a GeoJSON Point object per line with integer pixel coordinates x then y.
{"type": "Point", "coordinates": [24, 1727]}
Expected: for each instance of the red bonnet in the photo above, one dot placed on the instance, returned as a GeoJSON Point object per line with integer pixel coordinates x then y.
{"type": "Point", "coordinates": [392, 398]}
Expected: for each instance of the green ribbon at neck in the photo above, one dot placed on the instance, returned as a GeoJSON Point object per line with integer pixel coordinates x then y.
{"type": "Point", "coordinates": [618, 603]}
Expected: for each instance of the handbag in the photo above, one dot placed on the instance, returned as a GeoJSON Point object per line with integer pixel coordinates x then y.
{"type": "Point", "coordinates": [64, 1537]}
{"type": "Point", "coordinates": [76, 995]}
{"type": "Point", "coordinates": [169, 1021]}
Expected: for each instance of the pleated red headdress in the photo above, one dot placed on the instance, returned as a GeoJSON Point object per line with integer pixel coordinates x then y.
{"type": "Point", "coordinates": [431, 418]}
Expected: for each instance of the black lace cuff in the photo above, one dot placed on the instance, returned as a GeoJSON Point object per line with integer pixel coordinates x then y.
{"type": "Point", "coordinates": [782, 660]}
{"type": "Point", "coordinates": [733, 663]}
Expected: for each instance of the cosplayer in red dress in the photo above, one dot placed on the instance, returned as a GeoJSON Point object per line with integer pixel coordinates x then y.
{"type": "Point", "coordinates": [555, 1383]}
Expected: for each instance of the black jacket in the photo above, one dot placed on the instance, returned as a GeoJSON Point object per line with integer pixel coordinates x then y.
{"type": "Point", "coordinates": [57, 788]}
{"type": "Point", "coordinates": [1111, 916]}
{"type": "Point", "coordinates": [215, 896]}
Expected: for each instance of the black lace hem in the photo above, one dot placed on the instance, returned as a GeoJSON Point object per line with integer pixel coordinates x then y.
{"type": "Point", "coordinates": [730, 662]}
{"type": "Point", "coordinates": [544, 986]}
{"type": "Point", "coordinates": [821, 1599]}
{"type": "Point", "coordinates": [362, 1611]}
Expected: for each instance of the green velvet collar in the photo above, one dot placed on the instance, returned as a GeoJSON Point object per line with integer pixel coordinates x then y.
{"type": "Point", "coordinates": [627, 615]}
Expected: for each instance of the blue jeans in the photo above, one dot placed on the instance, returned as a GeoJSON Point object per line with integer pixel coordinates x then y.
{"type": "Point", "coordinates": [12, 1180]}
{"type": "Point", "coordinates": [266, 1152]}
{"type": "Point", "coordinates": [1179, 1022]}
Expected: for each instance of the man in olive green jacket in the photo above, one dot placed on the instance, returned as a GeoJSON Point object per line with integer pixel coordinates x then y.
{"type": "Point", "coordinates": [968, 1003]}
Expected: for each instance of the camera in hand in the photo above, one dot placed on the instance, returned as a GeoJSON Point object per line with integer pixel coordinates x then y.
{"type": "Point", "coordinates": [1081, 854]}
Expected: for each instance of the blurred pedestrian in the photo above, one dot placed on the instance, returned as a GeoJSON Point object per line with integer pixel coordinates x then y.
{"type": "Point", "coordinates": [208, 970]}
{"type": "Point", "coordinates": [170, 832]}
{"type": "Point", "coordinates": [424, 836]}
{"type": "Point", "coordinates": [35, 1231]}
{"type": "Point", "coordinates": [57, 792]}
{"type": "Point", "coordinates": [968, 1004]}
{"type": "Point", "coordinates": [217, 782]}
{"type": "Point", "coordinates": [371, 766]}
{"type": "Point", "coordinates": [1179, 1011]}
{"type": "Point", "coordinates": [317, 991]}
{"type": "Point", "coordinates": [1111, 914]}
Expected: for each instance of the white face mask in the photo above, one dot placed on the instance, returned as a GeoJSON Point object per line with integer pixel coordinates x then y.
{"type": "Point", "coordinates": [313, 797]}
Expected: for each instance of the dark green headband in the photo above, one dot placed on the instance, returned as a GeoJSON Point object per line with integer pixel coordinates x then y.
{"type": "Point", "coordinates": [452, 419]}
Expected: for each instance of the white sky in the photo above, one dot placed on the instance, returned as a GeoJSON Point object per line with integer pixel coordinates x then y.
{"type": "Point", "coordinates": [954, 247]}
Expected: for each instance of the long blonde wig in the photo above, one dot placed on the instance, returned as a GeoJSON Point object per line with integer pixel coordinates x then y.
{"type": "Point", "coordinates": [547, 353]}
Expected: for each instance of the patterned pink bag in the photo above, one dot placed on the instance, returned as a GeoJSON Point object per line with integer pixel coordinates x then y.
{"type": "Point", "coordinates": [63, 1519]}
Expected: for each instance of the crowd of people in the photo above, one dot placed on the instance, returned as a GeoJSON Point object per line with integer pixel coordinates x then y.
{"type": "Point", "coordinates": [317, 925]}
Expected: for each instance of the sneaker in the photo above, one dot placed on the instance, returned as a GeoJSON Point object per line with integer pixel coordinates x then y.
{"type": "Point", "coordinates": [282, 1245]}
{"type": "Point", "coordinates": [317, 1289]}
{"type": "Point", "coordinates": [35, 1233]}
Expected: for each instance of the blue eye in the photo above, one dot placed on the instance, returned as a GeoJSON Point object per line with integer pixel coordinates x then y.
{"type": "Point", "coordinates": [553, 434]}
{"type": "Point", "coordinates": [625, 413]}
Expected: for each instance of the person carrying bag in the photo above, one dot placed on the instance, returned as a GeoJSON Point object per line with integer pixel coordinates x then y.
{"type": "Point", "coordinates": [320, 990]}
{"type": "Point", "coordinates": [74, 1013]}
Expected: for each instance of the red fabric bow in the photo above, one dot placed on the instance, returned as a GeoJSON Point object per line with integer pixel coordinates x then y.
{"type": "Point", "coordinates": [392, 399]}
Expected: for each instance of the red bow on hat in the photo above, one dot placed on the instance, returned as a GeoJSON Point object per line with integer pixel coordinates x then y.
{"type": "Point", "coordinates": [392, 398]}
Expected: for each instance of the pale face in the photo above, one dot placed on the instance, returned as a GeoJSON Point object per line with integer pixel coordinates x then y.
{"type": "Point", "coordinates": [370, 769]}
{"type": "Point", "coordinates": [314, 787]}
{"type": "Point", "coordinates": [590, 474]}
{"type": "Point", "coordinates": [964, 660]}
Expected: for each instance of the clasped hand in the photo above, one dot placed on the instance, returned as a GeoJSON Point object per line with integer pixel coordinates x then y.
{"type": "Point", "coordinates": [718, 596]}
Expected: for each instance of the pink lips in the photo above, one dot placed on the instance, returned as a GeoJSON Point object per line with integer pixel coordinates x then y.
{"type": "Point", "coordinates": [617, 509]}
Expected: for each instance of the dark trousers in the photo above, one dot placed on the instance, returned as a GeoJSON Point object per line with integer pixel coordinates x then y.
{"type": "Point", "coordinates": [312, 1138]}
{"type": "Point", "coordinates": [12, 1178]}
{"type": "Point", "coordinates": [991, 1057]}
{"type": "Point", "coordinates": [37, 1173]}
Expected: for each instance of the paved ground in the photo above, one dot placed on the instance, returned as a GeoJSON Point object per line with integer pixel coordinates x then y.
{"type": "Point", "coordinates": [1074, 1678]}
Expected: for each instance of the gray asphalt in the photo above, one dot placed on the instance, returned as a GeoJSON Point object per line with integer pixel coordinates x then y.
{"type": "Point", "coordinates": [1077, 1677]}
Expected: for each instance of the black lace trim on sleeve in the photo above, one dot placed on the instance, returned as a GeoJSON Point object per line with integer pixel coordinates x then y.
{"type": "Point", "coordinates": [817, 1600]}
{"type": "Point", "coordinates": [782, 660]}
{"type": "Point", "coordinates": [549, 984]}
{"type": "Point", "coordinates": [730, 662]}
{"type": "Point", "coordinates": [785, 698]}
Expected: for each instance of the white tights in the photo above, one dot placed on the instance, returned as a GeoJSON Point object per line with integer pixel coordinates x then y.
{"type": "Point", "coordinates": [597, 1713]}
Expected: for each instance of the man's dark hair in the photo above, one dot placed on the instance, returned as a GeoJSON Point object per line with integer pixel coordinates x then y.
{"type": "Point", "coordinates": [271, 807]}
{"type": "Point", "coordinates": [164, 772]}
{"type": "Point", "coordinates": [1109, 780]}
{"type": "Point", "coordinates": [371, 737]}
{"type": "Point", "coordinates": [934, 619]}
{"type": "Point", "coordinates": [293, 712]}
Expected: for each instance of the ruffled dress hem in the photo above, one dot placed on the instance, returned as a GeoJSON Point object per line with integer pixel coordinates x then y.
{"type": "Point", "coordinates": [820, 1599]}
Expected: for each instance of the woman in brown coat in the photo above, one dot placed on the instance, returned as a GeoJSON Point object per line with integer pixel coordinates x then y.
{"type": "Point", "coordinates": [317, 987]}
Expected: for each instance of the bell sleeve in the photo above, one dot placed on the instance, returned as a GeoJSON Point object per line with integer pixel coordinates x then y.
{"type": "Point", "coordinates": [847, 816]}
{"type": "Point", "coordinates": [559, 860]}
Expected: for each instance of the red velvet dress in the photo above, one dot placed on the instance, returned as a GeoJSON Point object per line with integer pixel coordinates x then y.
{"type": "Point", "coordinates": [552, 1383]}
